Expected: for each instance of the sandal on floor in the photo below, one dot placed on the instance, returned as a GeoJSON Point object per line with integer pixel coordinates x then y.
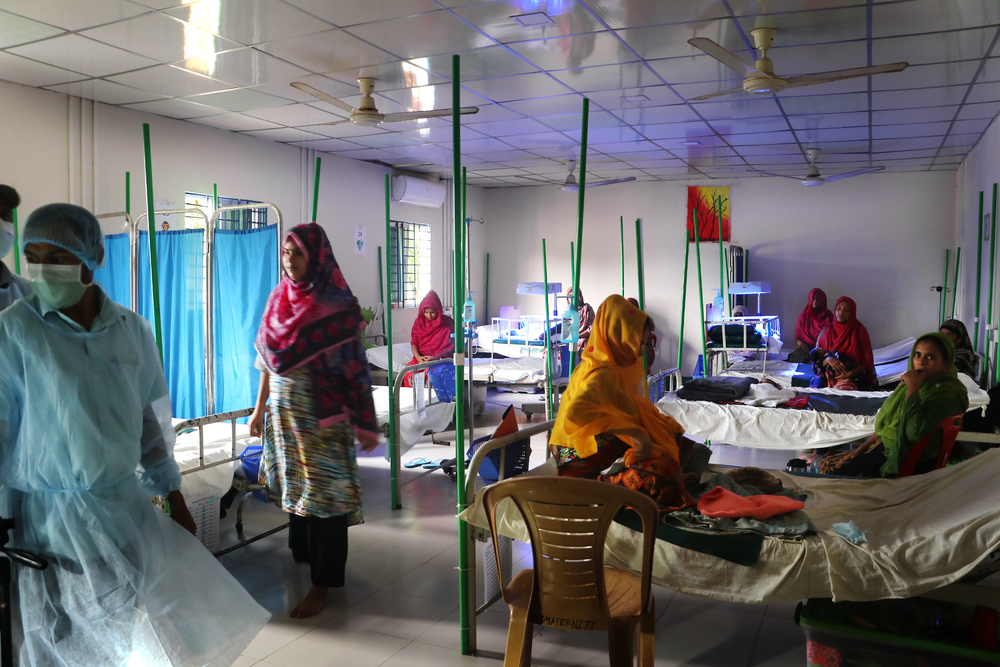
{"type": "Point", "coordinates": [415, 463]}
{"type": "Point", "coordinates": [431, 465]}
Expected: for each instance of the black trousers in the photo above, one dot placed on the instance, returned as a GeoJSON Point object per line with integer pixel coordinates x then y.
{"type": "Point", "coordinates": [870, 464]}
{"type": "Point", "coordinates": [321, 542]}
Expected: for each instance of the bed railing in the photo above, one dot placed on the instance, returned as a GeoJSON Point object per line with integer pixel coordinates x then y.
{"type": "Point", "coordinates": [663, 382]}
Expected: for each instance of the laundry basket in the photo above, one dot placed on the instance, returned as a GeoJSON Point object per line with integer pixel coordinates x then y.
{"type": "Point", "coordinates": [442, 377]}
{"type": "Point", "coordinates": [250, 462]}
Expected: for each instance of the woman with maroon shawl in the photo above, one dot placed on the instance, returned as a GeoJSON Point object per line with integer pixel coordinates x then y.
{"type": "Point", "coordinates": [430, 337]}
{"type": "Point", "coordinates": [843, 354]}
{"type": "Point", "coordinates": [812, 320]}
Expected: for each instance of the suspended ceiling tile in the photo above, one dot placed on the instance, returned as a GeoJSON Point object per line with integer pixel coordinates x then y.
{"type": "Point", "coordinates": [440, 134]}
{"type": "Point", "coordinates": [991, 70]}
{"type": "Point", "coordinates": [170, 81]}
{"type": "Point", "coordinates": [631, 15]}
{"type": "Point", "coordinates": [770, 149]}
{"type": "Point", "coordinates": [631, 98]}
{"type": "Point", "coordinates": [798, 60]}
{"type": "Point", "coordinates": [933, 48]}
{"type": "Point", "coordinates": [978, 125]}
{"type": "Point", "coordinates": [486, 146]}
{"type": "Point", "coordinates": [284, 89]}
{"type": "Point", "coordinates": [924, 16]}
{"type": "Point", "coordinates": [105, 91]}
{"type": "Point", "coordinates": [944, 167]}
{"type": "Point", "coordinates": [678, 131]}
{"type": "Point", "coordinates": [910, 130]}
{"type": "Point", "coordinates": [518, 87]}
{"type": "Point", "coordinates": [693, 69]}
{"type": "Point", "coordinates": [640, 158]}
{"type": "Point", "coordinates": [903, 155]}
{"type": "Point", "coordinates": [984, 92]}
{"type": "Point", "coordinates": [295, 115]}
{"type": "Point", "coordinates": [330, 51]}
{"type": "Point", "coordinates": [567, 16]}
{"type": "Point", "coordinates": [426, 98]}
{"type": "Point", "coordinates": [390, 76]}
{"type": "Point", "coordinates": [175, 109]}
{"type": "Point", "coordinates": [284, 134]}
{"type": "Point", "coordinates": [162, 38]}
{"type": "Point", "coordinates": [501, 156]}
{"type": "Point", "coordinates": [772, 124]}
{"type": "Point", "coordinates": [608, 77]}
{"type": "Point", "coordinates": [738, 140]}
{"type": "Point", "coordinates": [842, 152]}
{"type": "Point", "coordinates": [827, 121]}
{"type": "Point", "coordinates": [344, 130]}
{"type": "Point", "coordinates": [244, 67]}
{"type": "Point", "coordinates": [955, 150]}
{"type": "Point", "coordinates": [848, 103]}
{"type": "Point", "coordinates": [531, 164]}
{"type": "Point", "coordinates": [388, 140]}
{"type": "Point", "coordinates": [670, 41]}
{"type": "Point", "coordinates": [479, 64]}
{"type": "Point", "coordinates": [916, 99]}
{"type": "Point", "coordinates": [956, 139]}
{"type": "Point", "coordinates": [488, 113]}
{"type": "Point", "coordinates": [813, 27]}
{"type": "Point", "coordinates": [547, 106]}
{"type": "Point", "coordinates": [561, 152]}
{"type": "Point", "coordinates": [352, 13]}
{"type": "Point", "coordinates": [422, 35]}
{"type": "Point", "coordinates": [75, 15]}
{"type": "Point", "coordinates": [30, 73]}
{"type": "Point", "coordinates": [809, 137]}
{"type": "Point", "coordinates": [249, 21]}
{"type": "Point", "coordinates": [16, 30]}
{"type": "Point", "coordinates": [912, 143]}
{"type": "Point", "coordinates": [926, 115]}
{"type": "Point", "coordinates": [82, 55]}
{"type": "Point", "coordinates": [753, 108]}
{"type": "Point", "coordinates": [542, 140]}
{"type": "Point", "coordinates": [239, 100]}
{"type": "Point", "coordinates": [660, 160]}
{"type": "Point", "coordinates": [689, 91]}
{"type": "Point", "coordinates": [985, 110]}
{"type": "Point", "coordinates": [606, 135]}
{"type": "Point", "coordinates": [576, 51]}
{"type": "Point", "coordinates": [636, 146]}
{"type": "Point", "coordinates": [794, 159]}
{"type": "Point", "coordinates": [382, 103]}
{"type": "Point", "coordinates": [857, 85]}
{"type": "Point", "coordinates": [928, 76]}
{"type": "Point", "coordinates": [673, 113]}
{"type": "Point", "coordinates": [158, 4]}
{"type": "Point", "coordinates": [909, 162]}
{"type": "Point", "coordinates": [236, 122]}
{"type": "Point", "coordinates": [572, 121]}
{"type": "Point", "coordinates": [510, 127]}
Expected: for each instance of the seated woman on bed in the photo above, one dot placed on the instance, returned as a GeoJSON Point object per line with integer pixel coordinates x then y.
{"type": "Point", "coordinates": [606, 419]}
{"type": "Point", "coordinates": [812, 320]}
{"type": "Point", "coordinates": [586, 313]}
{"type": "Point", "coordinates": [843, 356]}
{"type": "Point", "coordinates": [430, 337]}
{"type": "Point", "coordinates": [929, 393]}
{"type": "Point", "coordinates": [965, 356]}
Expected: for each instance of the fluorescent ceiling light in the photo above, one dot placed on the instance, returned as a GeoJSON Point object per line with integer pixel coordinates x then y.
{"type": "Point", "coordinates": [533, 19]}
{"type": "Point", "coordinates": [635, 98]}
{"type": "Point", "coordinates": [690, 143]}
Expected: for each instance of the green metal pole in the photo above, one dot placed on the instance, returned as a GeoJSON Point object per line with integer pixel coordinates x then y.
{"type": "Point", "coordinates": [319, 163]}
{"type": "Point", "coordinates": [465, 609]}
{"type": "Point", "coordinates": [722, 268]}
{"type": "Point", "coordinates": [548, 341]}
{"type": "Point", "coordinates": [701, 297]}
{"type": "Point", "coordinates": [581, 197]}
{"type": "Point", "coordinates": [621, 224]}
{"type": "Point", "coordinates": [944, 288]}
{"type": "Point", "coordinates": [979, 271]}
{"type": "Point", "coordinates": [215, 195]}
{"type": "Point", "coordinates": [394, 493]}
{"type": "Point", "coordinates": [17, 245]}
{"type": "Point", "coordinates": [638, 259]}
{"type": "Point", "coordinates": [684, 294]}
{"type": "Point", "coordinates": [154, 273]}
{"type": "Point", "coordinates": [465, 241]}
{"type": "Point", "coordinates": [954, 290]}
{"type": "Point", "coordinates": [572, 263]}
{"type": "Point", "coordinates": [128, 194]}
{"type": "Point", "coordinates": [486, 292]}
{"type": "Point", "coordinates": [381, 286]}
{"type": "Point", "coordinates": [989, 299]}
{"type": "Point", "coordinates": [729, 300]}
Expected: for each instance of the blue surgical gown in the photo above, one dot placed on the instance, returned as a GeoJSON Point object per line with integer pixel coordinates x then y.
{"type": "Point", "coordinates": [85, 439]}
{"type": "Point", "coordinates": [12, 287]}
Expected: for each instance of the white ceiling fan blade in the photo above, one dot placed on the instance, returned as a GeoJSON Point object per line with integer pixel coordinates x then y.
{"type": "Point", "coordinates": [725, 56]}
{"type": "Point", "coordinates": [337, 122]}
{"type": "Point", "coordinates": [768, 173]}
{"type": "Point", "coordinates": [437, 113]}
{"type": "Point", "coordinates": [536, 180]}
{"type": "Point", "coordinates": [738, 89]}
{"type": "Point", "coordinates": [869, 170]}
{"type": "Point", "coordinates": [841, 74]}
{"type": "Point", "coordinates": [320, 95]}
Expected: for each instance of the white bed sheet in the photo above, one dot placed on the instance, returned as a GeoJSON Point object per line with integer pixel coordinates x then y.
{"type": "Point", "coordinates": [518, 369]}
{"type": "Point", "coordinates": [412, 426]}
{"type": "Point", "coordinates": [401, 356]}
{"type": "Point", "coordinates": [921, 535]}
{"type": "Point", "coordinates": [216, 480]}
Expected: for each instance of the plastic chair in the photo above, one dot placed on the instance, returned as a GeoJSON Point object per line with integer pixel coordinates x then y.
{"type": "Point", "coordinates": [950, 428]}
{"type": "Point", "coordinates": [569, 587]}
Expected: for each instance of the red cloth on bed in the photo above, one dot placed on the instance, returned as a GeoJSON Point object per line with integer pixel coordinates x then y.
{"type": "Point", "coordinates": [723, 503]}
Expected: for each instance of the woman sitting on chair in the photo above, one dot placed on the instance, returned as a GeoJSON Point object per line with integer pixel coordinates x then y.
{"type": "Point", "coordinates": [812, 320]}
{"type": "Point", "coordinates": [607, 420]}
{"type": "Point", "coordinates": [431, 335]}
{"type": "Point", "coordinates": [965, 356]}
{"type": "Point", "coordinates": [929, 393]}
{"type": "Point", "coordinates": [843, 355]}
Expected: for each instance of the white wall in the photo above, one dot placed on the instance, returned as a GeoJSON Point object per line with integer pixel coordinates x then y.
{"type": "Point", "coordinates": [879, 239]}
{"type": "Point", "coordinates": [63, 148]}
{"type": "Point", "coordinates": [980, 172]}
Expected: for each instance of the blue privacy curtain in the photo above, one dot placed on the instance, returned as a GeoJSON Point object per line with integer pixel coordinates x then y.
{"type": "Point", "coordinates": [114, 276]}
{"type": "Point", "coordinates": [180, 264]}
{"type": "Point", "coordinates": [246, 270]}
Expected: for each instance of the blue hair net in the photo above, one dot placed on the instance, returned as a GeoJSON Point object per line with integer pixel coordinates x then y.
{"type": "Point", "coordinates": [70, 227]}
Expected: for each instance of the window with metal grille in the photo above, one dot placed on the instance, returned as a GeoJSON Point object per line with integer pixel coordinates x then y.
{"type": "Point", "coordinates": [409, 263]}
{"type": "Point", "coordinates": [253, 218]}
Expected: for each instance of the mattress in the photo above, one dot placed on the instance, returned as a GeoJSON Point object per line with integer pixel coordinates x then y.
{"type": "Point", "coordinates": [378, 356]}
{"type": "Point", "coordinates": [218, 446]}
{"type": "Point", "coordinates": [514, 370]}
{"type": "Point", "coordinates": [921, 535]}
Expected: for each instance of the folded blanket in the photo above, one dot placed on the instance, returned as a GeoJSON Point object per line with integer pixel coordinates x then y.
{"type": "Point", "coordinates": [716, 389]}
{"type": "Point", "coordinates": [722, 503]}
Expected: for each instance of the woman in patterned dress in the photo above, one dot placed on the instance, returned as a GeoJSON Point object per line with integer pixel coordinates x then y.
{"type": "Point", "coordinates": [314, 370]}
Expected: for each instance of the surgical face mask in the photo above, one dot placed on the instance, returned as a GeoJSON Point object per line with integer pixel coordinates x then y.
{"type": "Point", "coordinates": [6, 237]}
{"type": "Point", "coordinates": [58, 285]}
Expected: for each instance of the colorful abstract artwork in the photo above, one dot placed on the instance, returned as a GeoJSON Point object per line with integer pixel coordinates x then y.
{"type": "Point", "coordinates": [703, 204]}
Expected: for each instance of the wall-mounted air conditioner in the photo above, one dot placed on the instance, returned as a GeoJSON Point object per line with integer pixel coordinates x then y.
{"type": "Point", "coordinates": [417, 192]}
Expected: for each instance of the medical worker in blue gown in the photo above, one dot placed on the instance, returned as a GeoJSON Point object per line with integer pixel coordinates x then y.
{"type": "Point", "coordinates": [12, 286]}
{"type": "Point", "coordinates": [85, 440]}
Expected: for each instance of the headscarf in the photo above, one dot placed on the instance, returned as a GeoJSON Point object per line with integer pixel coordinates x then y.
{"type": "Point", "coordinates": [850, 338]}
{"type": "Point", "coordinates": [605, 391]}
{"type": "Point", "coordinates": [432, 337]}
{"type": "Point", "coordinates": [944, 388]}
{"type": "Point", "coordinates": [304, 319]}
{"type": "Point", "coordinates": [812, 321]}
{"type": "Point", "coordinates": [70, 227]}
{"type": "Point", "coordinates": [965, 356]}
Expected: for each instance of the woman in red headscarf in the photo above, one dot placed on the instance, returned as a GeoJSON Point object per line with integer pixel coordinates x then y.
{"type": "Point", "coordinates": [814, 318]}
{"type": "Point", "coordinates": [430, 337]}
{"type": "Point", "coordinates": [843, 354]}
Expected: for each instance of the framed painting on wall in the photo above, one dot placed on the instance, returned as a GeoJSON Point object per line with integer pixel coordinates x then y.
{"type": "Point", "coordinates": [706, 202]}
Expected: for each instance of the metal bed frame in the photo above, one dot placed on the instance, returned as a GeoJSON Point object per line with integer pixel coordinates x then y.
{"type": "Point", "coordinates": [770, 324]}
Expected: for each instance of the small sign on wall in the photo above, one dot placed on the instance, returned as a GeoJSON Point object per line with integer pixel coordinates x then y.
{"type": "Point", "coordinates": [360, 240]}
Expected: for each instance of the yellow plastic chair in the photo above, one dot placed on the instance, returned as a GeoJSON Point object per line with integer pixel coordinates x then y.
{"type": "Point", "coordinates": [569, 586]}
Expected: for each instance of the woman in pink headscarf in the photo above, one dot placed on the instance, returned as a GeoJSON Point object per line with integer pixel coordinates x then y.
{"type": "Point", "coordinates": [812, 320]}
{"type": "Point", "coordinates": [431, 335]}
{"type": "Point", "coordinates": [843, 354]}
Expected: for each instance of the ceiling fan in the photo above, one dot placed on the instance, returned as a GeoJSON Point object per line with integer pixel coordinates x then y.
{"type": "Point", "coordinates": [760, 77]}
{"type": "Point", "coordinates": [814, 178]}
{"type": "Point", "coordinates": [367, 115]}
{"type": "Point", "coordinates": [570, 184]}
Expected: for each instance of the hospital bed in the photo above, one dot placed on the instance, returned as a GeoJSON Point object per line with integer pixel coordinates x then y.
{"type": "Point", "coordinates": [739, 337]}
{"type": "Point", "coordinates": [781, 428]}
{"type": "Point", "coordinates": [527, 371]}
{"type": "Point", "coordinates": [923, 538]}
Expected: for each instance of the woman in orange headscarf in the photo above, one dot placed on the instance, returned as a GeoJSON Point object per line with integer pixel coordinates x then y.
{"type": "Point", "coordinates": [606, 419]}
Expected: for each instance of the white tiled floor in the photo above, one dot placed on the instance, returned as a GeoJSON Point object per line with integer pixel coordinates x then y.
{"type": "Point", "coordinates": [400, 605]}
